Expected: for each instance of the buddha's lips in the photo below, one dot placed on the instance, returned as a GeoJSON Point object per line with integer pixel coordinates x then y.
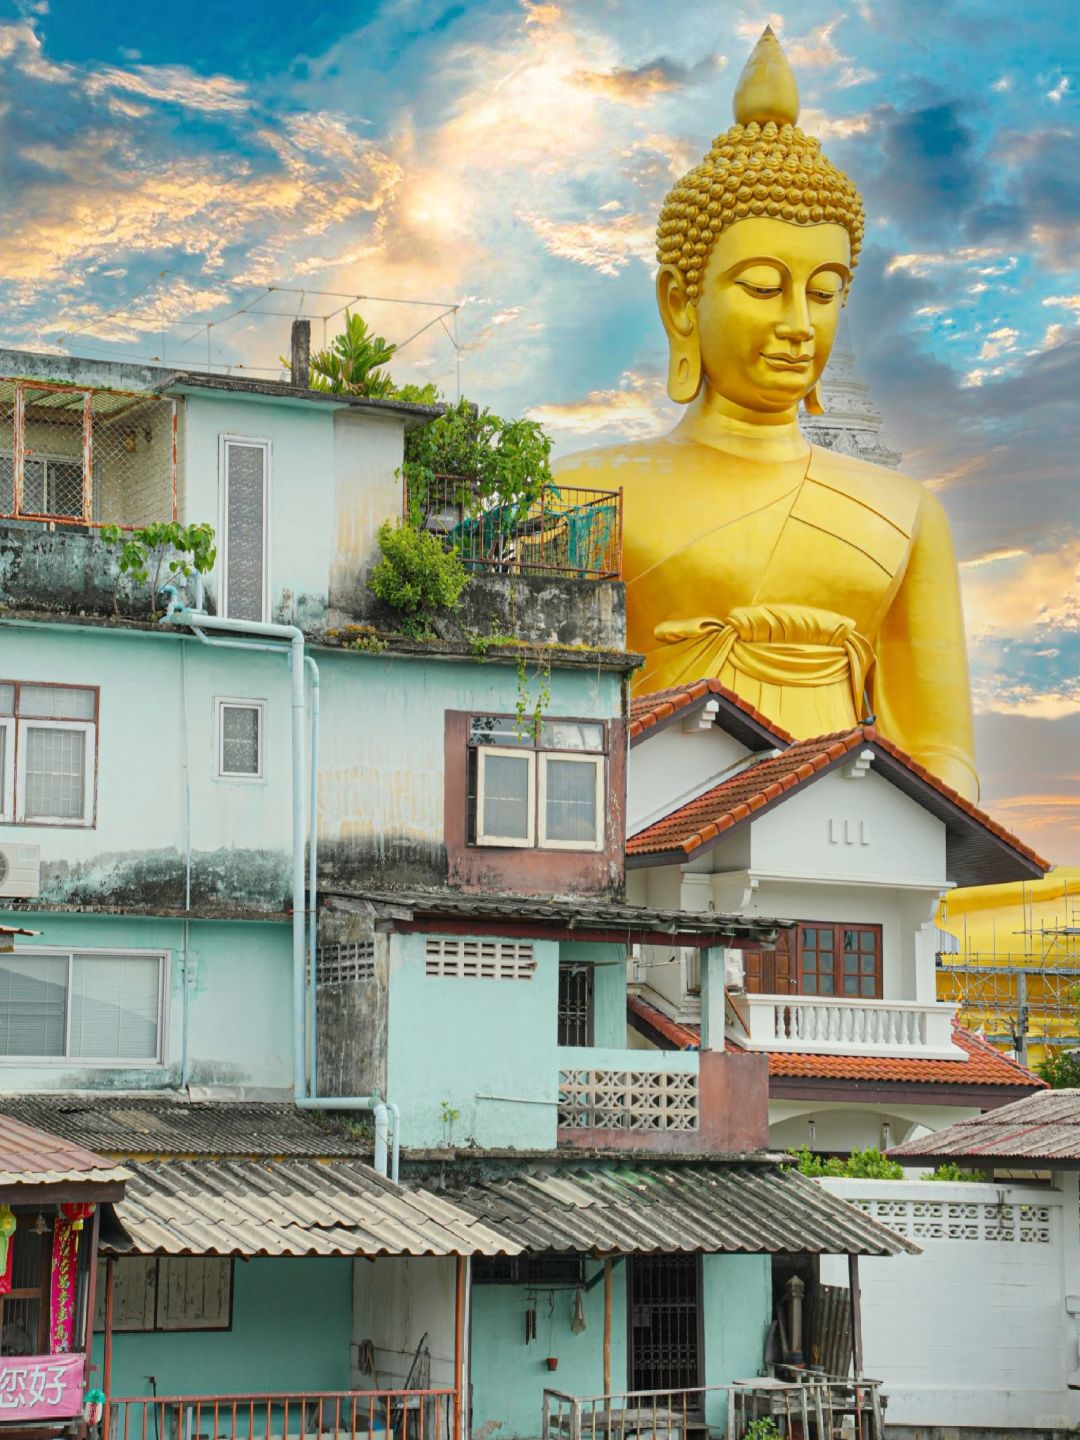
{"type": "Point", "coordinates": [797, 362]}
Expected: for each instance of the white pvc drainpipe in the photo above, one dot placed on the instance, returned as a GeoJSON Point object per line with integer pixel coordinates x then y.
{"type": "Point", "coordinates": [304, 1096]}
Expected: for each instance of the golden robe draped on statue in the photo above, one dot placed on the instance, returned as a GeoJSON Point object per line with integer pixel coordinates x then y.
{"type": "Point", "coordinates": [724, 562]}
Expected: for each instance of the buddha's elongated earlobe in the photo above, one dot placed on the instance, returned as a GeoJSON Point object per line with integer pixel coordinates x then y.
{"type": "Point", "coordinates": [812, 402]}
{"type": "Point", "coordinates": [680, 323]}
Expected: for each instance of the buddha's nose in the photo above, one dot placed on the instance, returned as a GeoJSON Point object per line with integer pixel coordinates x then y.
{"type": "Point", "coordinates": [795, 324]}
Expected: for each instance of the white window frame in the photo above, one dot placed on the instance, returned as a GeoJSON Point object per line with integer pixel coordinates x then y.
{"type": "Point", "coordinates": [89, 729]}
{"type": "Point", "coordinates": [238, 702]}
{"type": "Point", "coordinates": [573, 757]}
{"type": "Point", "coordinates": [261, 443]}
{"type": "Point", "coordinates": [7, 777]}
{"type": "Point", "coordinates": [163, 958]}
{"type": "Point", "coordinates": [504, 751]}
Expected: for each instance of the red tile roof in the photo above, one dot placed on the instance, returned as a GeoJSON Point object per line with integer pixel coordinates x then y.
{"type": "Point", "coordinates": [701, 821]}
{"type": "Point", "coordinates": [648, 711]}
{"type": "Point", "coordinates": [984, 1065]}
{"type": "Point", "coordinates": [29, 1156]}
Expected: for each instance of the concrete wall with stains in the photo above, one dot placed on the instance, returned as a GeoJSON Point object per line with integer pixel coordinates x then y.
{"type": "Point", "coordinates": [158, 794]}
{"type": "Point", "coordinates": [382, 754]}
{"type": "Point", "coordinates": [234, 972]}
{"type": "Point", "coordinates": [456, 1040]}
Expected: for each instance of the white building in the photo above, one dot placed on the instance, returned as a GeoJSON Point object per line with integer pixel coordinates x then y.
{"type": "Point", "coordinates": [848, 845]}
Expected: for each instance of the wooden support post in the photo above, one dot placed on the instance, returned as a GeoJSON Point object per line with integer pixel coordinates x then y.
{"type": "Point", "coordinates": [607, 1324]}
{"type": "Point", "coordinates": [106, 1383]}
{"type": "Point", "coordinates": [89, 1297]}
{"type": "Point", "coordinates": [855, 1298]}
{"type": "Point", "coordinates": [459, 1346]}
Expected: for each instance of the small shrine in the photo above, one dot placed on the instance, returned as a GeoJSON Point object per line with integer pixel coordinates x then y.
{"type": "Point", "coordinates": [51, 1194]}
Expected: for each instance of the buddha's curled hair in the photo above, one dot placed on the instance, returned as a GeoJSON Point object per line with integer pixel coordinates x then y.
{"type": "Point", "coordinates": [763, 166]}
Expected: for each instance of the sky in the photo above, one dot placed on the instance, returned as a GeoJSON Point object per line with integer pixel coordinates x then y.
{"type": "Point", "coordinates": [179, 180]}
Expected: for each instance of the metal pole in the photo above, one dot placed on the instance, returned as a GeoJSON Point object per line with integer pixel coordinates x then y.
{"type": "Point", "coordinates": [607, 1324]}
{"type": "Point", "coordinates": [91, 1282]}
{"type": "Point", "coordinates": [459, 1345]}
{"type": "Point", "coordinates": [107, 1373]}
{"type": "Point", "coordinates": [1021, 1018]}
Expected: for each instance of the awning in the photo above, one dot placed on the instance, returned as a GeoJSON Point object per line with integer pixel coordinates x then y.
{"type": "Point", "coordinates": [693, 1206]}
{"type": "Point", "coordinates": [30, 1157]}
{"type": "Point", "coordinates": [288, 1207]}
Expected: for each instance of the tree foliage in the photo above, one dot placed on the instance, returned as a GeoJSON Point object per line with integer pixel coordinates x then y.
{"type": "Point", "coordinates": [162, 548]}
{"type": "Point", "coordinates": [353, 363]}
{"type": "Point", "coordinates": [867, 1164]}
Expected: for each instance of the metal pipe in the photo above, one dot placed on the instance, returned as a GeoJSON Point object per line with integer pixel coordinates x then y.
{"type": "Point", "coordinates": [304, 1096]}
{"type": "Point", "coordinates": [313, 886]}
{"type": "Point", "coordinates": [395, 1156]}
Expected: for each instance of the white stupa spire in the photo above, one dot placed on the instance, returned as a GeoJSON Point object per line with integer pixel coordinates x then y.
{"type": "Point", "coordinates": [851, 423]}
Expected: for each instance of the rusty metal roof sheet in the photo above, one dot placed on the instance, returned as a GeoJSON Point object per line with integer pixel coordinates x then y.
{"type": "Point", "coordinates": [169, 1127]}
{"type": "Point", "coordinates": [1042, 1129]}
{"type": "Point", "coordinates": [566, 912]}
{"type": "Point", "coordinates": [29, 1156]}
{"type": "Point", "coordinates": [627, 1208]}
{"type": "Point", "coordinates": [288, 1207]}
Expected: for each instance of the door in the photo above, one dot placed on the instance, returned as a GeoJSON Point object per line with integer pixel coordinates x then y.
{"type": "Point", "coordinates": [771, 971]}
{"type": "Point", "coordinates": [665, 1322]}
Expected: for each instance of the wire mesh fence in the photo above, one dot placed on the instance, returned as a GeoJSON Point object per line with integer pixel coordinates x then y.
{"type": "Point", "coordinates": [91, 457]}
{"type": "Point", "coordinates": [564, 531]}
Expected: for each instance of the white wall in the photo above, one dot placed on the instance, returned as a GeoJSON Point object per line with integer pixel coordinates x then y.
{"type": "Point", "coordinates": [851, 829]}
{"type": "Point", "coordinates": [855, 1127]}
{"type": "Point", "coordinates": [395, 1300]}
{"type": "Point", "coordinates": [974, 1331]}
{"type": "Point", "coordinates": [367, 451]}
{"type": "Point", "coordinates": [673, 766]}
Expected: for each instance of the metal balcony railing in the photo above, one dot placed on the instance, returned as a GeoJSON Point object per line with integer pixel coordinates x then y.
{"type": "Point", "coordinates": [324, 1415]}
{"type": "Point", "coordinates": [565, 531]}
{"type": "Point", "coordinates": [91, 457]}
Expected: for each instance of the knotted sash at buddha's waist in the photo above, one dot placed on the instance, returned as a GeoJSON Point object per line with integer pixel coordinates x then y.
{"type": "Point", "coordinates": [777, 649]}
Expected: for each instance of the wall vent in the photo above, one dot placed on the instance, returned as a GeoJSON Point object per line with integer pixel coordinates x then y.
{"type": "Point", "coordinates": [346, 964]}
{"type": "Point", "coordinates": [480, 959]}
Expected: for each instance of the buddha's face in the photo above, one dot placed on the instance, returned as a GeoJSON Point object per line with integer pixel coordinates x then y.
{"type": "Point", "coordinates": [769, 306]}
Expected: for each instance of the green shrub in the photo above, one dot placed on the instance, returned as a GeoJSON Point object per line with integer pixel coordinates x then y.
{"type": "Point", "coordinates": [860, 1165]}
{"type": "Point", "coordinates": [951, 1171]}
{"type": "Point", "coordinates": [1059, 1070]}
{"type": "Point", "coordinates": [416, 577]}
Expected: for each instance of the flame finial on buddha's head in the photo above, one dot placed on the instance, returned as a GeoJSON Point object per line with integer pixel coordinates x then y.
{"type": "Point", "coordinates": [763, 166]}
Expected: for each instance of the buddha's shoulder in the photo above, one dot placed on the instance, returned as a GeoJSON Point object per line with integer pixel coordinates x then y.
{"type": "Point", "coordinates": [613, 465]}
{"type": "Point", "coordinates": [896, 496]}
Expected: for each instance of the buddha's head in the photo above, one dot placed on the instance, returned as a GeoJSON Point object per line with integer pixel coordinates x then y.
{"type": "Point", "coordinates": [757, 246]}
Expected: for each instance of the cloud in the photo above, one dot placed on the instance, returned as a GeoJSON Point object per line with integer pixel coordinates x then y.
{"type": "Point", "coordinates": [998, 342]}
{"type": "Point", "coordinates": [639, 86]}
{"type": "Point", "coordinates": [1059, 91]}
{"type": "Point", "coordinates": [636, 410]}
{"type": "Point", "coordinates": [607, 245]}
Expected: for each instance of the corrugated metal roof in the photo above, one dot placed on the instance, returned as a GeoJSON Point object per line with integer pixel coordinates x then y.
{"type": "Point", "coordinates": [165, 1126]}
{"type": "Point", "coordinates": [1044, 1127]}
{"type": "Point", "coordinates": [624, 1209]}
{"type": "Point", "coordinates": [289, 1207]}
{"type": "Point", "coordinates": [29, 1156]}
{"type": "Point", "coordinates": [580, 914]}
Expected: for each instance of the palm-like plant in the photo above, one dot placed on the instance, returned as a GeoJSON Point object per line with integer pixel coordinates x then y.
{"type": "Point", "coordinates": [352, 363]}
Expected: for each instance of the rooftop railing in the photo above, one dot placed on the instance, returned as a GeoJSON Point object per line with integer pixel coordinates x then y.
{"type": "Point", "coordinates": [88, 457]}
{"type": "Point", "coordinates": [566, 531]}
{"type": "Point", "coordinates": [835, 1025]}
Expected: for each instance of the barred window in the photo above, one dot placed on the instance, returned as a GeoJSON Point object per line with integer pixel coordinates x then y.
{"type": "Point", "coordinates": [48, 738]}
{"type": "Point", "coordinates": [240, 726]}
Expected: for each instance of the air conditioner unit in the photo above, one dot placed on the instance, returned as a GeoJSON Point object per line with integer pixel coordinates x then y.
{"type": "Point", "coordinates": [20, 871]}
{"type": "Point", "coordinates": [734, 970]}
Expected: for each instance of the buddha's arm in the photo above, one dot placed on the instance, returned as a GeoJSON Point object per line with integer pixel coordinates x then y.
{"type": "Point", "coordinates": [921, 694]}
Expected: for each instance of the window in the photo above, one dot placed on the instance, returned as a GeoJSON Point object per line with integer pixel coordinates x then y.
{"type": "Point", "coordinates": [546, 792]}
{"type": "Point", "coordinates": [167, 1293]}
{"type": "Point", "coordinates": [87, 1005]}
{"type": "Point", "coordinates": [245, 494]}
{"type": "Point", "coordinates": [240, 726]}
{"type": "Point", "coordinates": [48, 736]}
{"type": "Point", "coordinates": [542, 1271]}
{"type": "Point", "coordinates": [52, 485]}
{"type": "Point", "coordinates": [575, 1004]}
{"type": "Point", "coordinates": [840, 960]}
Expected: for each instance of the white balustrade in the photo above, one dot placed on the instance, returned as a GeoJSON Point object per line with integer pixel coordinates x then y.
{"type": "Point", "coordinates": [833, 1025]}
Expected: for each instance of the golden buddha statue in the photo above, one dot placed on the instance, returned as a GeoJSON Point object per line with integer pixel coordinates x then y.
{"type": "Point", "coordinates": [820, 588]}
